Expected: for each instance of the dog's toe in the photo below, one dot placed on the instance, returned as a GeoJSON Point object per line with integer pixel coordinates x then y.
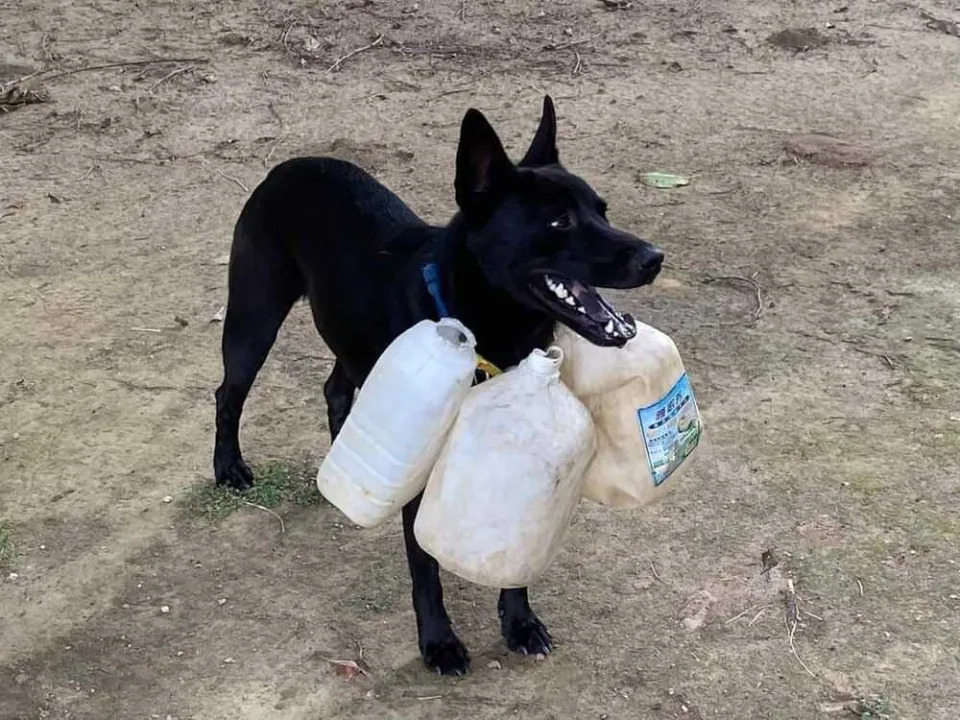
{"type": "Point", "coordinates": [447, 657]}
{"type": "Point", "coordinates": [235, 475]}
{"type": "Point", "coordinates": [527, 635]}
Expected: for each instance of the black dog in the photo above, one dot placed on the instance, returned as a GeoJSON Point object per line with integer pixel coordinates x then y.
{"type": "Point", "coordinates": [524, 251]}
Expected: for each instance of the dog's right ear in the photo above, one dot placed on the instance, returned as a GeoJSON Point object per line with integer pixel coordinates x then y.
{"type": "Point", "coordinates": [482, 164]}
{"type": "Point", "coordinates": [543, 149]}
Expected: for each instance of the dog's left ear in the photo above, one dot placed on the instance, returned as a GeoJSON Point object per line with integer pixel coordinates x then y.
{"type": "Point", "coordinates": [543, 149]}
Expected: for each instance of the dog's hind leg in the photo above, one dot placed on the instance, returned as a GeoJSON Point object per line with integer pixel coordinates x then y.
{"type": "Point", "coordinates": [262, 287]}
{"type": "Point", "coordinates": [441, 649]}
{"type": "Point", "coordinates": [338, 391]}
{"type": "Point", "coordinates": [520, 626]}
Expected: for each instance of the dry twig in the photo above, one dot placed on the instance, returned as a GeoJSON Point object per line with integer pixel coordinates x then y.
{"type": "Point", "coordinates": [790, 621]}
{"type": "Point", "coordinates": [739, 615]}
{"type": "Point", "coordinates": [283, 528]}
{"type": "Point", "coordinates": [169, 75]}
{"type": "Point", "coordinates": [278, 139]}
{"type": "Point", "coordinates": [231, 178]}
{"type": "Point", "coordinates": [740, 278]}
{"type": "Point", "coordinates": [105, 66]}
{"type": "Point", "coordinates": [653, 569]}
{"type": "Point", "coordinates": [336, 66]}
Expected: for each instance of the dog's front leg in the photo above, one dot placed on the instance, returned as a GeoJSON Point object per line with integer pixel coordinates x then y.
{"type": "Point", "coordinates": [440, 647]}
{"type": "Point", "coordinates": [521, 628]}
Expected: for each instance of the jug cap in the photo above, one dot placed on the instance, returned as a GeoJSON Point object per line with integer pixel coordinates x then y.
{"type": "Point", "coordinates": [455, 333]}
{"type": "Point", "coordinates": [545, 362]}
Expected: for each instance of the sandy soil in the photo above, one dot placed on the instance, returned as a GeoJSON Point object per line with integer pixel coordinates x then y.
{"type": "Point", "coordinates": [824, 164]}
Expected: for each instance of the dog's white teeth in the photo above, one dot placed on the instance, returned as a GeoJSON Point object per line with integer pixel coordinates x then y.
{"type": "Point", "coordinates": [570, 301]}
{"type": "Point", "coordinates": [561, 292]}
{"type": "Point", "coordinates": [608, 328]}
{"type": "Point", "coordinates": [581, 311]}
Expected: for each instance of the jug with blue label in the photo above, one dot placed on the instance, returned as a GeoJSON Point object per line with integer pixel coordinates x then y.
{"type": "Point", "coordinates": [648, 422]}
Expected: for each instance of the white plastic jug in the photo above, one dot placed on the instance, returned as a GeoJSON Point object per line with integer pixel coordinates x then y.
{"type": "Point", "coordinates": [510, 476]}
{"type": "Point", "coordinates": [397, 425]}
{"type": "Point", "coordinates": [647, 419]}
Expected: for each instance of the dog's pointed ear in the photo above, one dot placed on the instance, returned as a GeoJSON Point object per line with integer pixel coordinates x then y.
{"type": "Point", "coordinates": [543, 149]}
{"type": "Point", "coordinates": [482, 163]}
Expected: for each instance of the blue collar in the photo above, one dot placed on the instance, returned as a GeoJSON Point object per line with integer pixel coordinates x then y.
{"type": "Point", "coordinates": [431, 278]}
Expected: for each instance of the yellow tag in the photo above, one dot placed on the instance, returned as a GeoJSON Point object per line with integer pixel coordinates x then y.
{"type": "Point", "coordinates": [488, 367]}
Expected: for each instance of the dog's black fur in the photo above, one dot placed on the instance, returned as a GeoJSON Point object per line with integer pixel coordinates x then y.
{"type": "Point", "coordinates": [526, 239]}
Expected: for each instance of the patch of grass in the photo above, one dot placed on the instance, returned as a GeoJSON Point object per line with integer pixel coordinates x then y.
{"type": "Point", "coordinates": [379, 589]}
{"type": "Point", "coordinates": [276, 483]}
{"type": "Point", "coordinates": [9, 557]}
{"type": "Point", "coordinates": [874, 708]}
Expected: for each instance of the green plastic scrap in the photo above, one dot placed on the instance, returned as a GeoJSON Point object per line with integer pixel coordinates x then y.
{"type": "Point", "coordinates": [664, 180]}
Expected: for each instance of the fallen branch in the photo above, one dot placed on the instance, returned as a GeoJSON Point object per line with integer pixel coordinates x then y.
{"type": "Point", "coordinates": [336, 66]}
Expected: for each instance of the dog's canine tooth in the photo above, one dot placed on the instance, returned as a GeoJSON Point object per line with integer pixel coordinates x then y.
{"type": "Point", "coordinates": [608, 328]}
{"type": "Point", "coordinates": [570, 301]}
{"type": "Point", "coordinates": [581, 310]}
{"type": "Point", "coordinates": [561, 291]}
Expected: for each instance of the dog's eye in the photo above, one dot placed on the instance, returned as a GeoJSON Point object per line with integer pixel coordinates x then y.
{"type": "Point", "coordinates": [562, 223]}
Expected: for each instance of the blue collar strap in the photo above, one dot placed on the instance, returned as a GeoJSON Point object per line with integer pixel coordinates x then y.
{"type": "Point", "coordinates": [431, 278]}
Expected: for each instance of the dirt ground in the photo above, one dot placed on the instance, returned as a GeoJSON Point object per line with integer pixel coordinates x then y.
{"type": "Point", "coordinates": [824, 168]}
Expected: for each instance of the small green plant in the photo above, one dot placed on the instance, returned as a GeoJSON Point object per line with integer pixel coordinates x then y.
{"type": "Point", "coordinates": [276, 482]}
{"type": "Point", "coordinates": [874, 708]}
{"type": "Point", "coordinates": [9, 557]}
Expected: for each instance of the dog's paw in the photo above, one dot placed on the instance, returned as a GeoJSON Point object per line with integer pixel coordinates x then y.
{"type": "Point", "coordinates": [526, 635]}
{"type": "Point", "coordinates": [447, 657]}
{"type": "Point", "coordinates": [234, 474]}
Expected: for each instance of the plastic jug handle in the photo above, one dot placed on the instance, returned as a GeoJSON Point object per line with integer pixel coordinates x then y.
{"type": "Point", "coordinates": [545, 362]}
{"type": "Point", "coordinates": [455, 332]}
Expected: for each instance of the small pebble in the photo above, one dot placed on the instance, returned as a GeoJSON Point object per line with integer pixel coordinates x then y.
{"type": "Point", "coordinates": [164, 609]}
{"type": "Point", "coordinates": [539, 657]}
{"type": "Point", "coordinates": [179, 653]}
{"type": "Point", "coordinates": [16, 436]}
{"type": "Point", "coordinates": [168, 498]}
{"type": "Point", "coordinates": [12, 576]}
{"type": "Point", "coordinates": [43, 547]}
{"type": "Point", "coordinates": [222, 601]}
{"type": "Point", "coordinates": [494, 665]}
{"type": "Point", "coordinates": [229, 660]}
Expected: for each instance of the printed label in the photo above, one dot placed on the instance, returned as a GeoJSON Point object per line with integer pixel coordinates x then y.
{"type": "Point", "coordinates": [670, 429]}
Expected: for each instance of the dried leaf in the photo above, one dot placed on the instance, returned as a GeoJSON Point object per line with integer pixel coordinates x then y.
{"type": "Point", "coordinates": [664, 180]}
{"type": "Point", "coordinates": [347, 668]}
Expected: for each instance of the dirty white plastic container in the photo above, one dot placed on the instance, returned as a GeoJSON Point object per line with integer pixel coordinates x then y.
{"type": "Point", "coordinates": [399, 421]}
{"type": "Point", "coordinates": [647, 419]}
{"type": "Point", "coordinates": [510, 476]}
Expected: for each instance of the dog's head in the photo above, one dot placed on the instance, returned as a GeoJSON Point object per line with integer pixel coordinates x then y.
{"type": "Point", "coordinates": [541, 233]}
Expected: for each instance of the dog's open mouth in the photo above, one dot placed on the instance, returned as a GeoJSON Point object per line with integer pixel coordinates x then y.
{"type": "Point", "coordinates": [583, 309]}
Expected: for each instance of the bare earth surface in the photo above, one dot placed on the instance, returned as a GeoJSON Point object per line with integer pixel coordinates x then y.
{"type": "Point", "coordinates": [824, 167]}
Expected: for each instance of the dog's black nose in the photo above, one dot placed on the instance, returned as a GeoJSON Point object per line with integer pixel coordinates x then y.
{"type": "Point", "coordinates": [652, 261]}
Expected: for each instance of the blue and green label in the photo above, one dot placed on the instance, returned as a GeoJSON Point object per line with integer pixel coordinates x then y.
{"type": "Point", "coordinates": [670, 429]}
